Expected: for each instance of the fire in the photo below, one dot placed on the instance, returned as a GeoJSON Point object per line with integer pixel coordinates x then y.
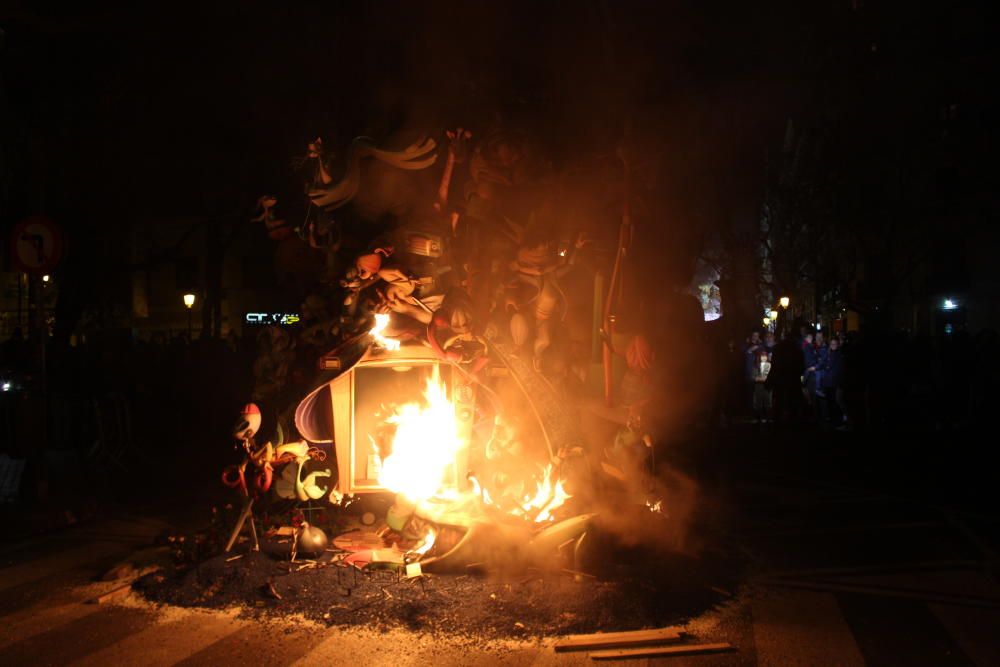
{"type": "Point", "coordinates": [420, 467]}
{"type": "Point", "coordinates": [548, 497]}
{"type": "Point", "coordinates": [381, 322]}
{"type": "Point", "coordinates": [426, 544]}
{"type": "Point", "coordinates": [425, 445]}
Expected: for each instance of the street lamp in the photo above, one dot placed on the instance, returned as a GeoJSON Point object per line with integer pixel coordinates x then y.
{"type": "Point", "coordinates": [774, 315]}
{"type": "Point", "coordinates": [189, 302]}
{"type": "Point", "coordinates": [783, 322]}
{"type": "Point", "coordinates": [767, 321]}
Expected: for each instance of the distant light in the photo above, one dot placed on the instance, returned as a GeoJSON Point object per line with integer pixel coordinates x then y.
{"type": "Point", "coordinates": [189, 300]}
{"type": "Point", "coordinates": [774, 314]}
{"type": "Point", "coordinates": [46, 278]}
{"type": "Point", "coordinates": [6, 386]}
{"type": "Point", "coordinates": [784, 301]}
{"type": "Point", "coordinates": [950, 305]}
{"type": "Point", "coordinates": [767, 321]}
{"type": "Point", "coordinates": [948, 329]}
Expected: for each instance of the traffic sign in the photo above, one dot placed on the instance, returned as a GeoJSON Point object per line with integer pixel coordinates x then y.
{"type": "Point", "coordinates": [36, 245]}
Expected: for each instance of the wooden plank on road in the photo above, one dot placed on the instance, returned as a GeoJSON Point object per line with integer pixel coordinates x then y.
{"type": "Point", "coordinates": [619, 639]}
{"type": "Point", "coordinates": [661, 651]}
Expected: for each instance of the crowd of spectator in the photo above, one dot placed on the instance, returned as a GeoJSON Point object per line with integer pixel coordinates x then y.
{"type": "Point", "coordinates": [774, 377]}
{"type": "Point", "coordinates": [893, 380]}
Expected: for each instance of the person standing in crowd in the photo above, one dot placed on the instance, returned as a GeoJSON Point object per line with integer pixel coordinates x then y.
{"type": "Point", "coordinates": [750, 350]}
{"type": "Point", "coordinates": [809, 362]}
{"type": "Point", "coordinates": [785, 379]}
{"type": "Point", "coordinates": [819, 343]}
{"type": "Point", "coordinates": [769, 343]}
{"type": "Point", "coordinates": [762, 403]}
{"type": "Point", "coordinates": [833, 381]}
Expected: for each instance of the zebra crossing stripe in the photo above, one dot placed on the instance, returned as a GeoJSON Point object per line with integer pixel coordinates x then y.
{"type": "Point", "coordinates": [18, 575]}
{"type": "Point", "coordinates": [35, 620]}
{"type": "Point", "coordinates": [175, 637]}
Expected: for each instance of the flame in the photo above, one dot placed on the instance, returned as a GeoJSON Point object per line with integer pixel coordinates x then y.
{"type": "Point", "coordinates": [656, 507]}
{"type": "Point", "coordinates": [425, 445]}
{"type": "Point", "coordinates": [549, 496]}
{"type": "Point", "coordinates": [427, 543]}
{"type": "Point", "coordinates": [420, 467]}
{"type": "Point", "coordinates": [381, 322]}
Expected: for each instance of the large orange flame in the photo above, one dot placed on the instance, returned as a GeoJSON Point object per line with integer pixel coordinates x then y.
{"type": "Point", "coordinates": [425, 445]}
{"type": "Point", "coordinates": [420, 466]}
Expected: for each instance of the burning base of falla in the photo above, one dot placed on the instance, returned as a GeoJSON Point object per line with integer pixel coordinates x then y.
{"type": "Point", "coordinates": [448, 524]}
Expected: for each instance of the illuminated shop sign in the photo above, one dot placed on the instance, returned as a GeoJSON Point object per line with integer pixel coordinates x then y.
{"type": "Point", "coordinates": [272, 318]}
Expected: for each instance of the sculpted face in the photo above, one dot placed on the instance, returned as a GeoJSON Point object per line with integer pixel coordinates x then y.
{"type": "Point", "coordinates": [368, 265]}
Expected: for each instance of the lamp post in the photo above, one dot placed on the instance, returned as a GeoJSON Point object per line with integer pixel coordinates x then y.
{"type": "Point", "coordinates": [189, 302]}
{"type": "Point", "coordinates": [783, 322]}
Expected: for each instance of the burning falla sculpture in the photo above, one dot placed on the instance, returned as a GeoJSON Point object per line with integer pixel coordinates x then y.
{"type": "Point", "coordinates": [425, 445]}
{"type": "Point", "coordinates": [435, 393]}
{"type": "Point", "coordinates": [460, 492]}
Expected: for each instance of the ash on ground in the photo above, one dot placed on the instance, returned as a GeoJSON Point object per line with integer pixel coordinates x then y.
{"type": "Point", "coordinates": [626, 589]}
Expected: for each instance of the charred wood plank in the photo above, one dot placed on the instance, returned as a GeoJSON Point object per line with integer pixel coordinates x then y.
{"type": "Point", "coordinates": [619, 639]}
{"type": "Point", "coordinates": [661, 651]}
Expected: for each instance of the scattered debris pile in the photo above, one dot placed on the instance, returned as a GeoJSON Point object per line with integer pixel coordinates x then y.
{"type": "Point", "coordinates": [628, 588]}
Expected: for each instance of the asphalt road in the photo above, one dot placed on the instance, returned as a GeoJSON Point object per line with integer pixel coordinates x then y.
{"type": "Point", "coordinates": [849, 567]}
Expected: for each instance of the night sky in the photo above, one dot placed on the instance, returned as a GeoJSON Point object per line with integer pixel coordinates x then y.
{"type": "Point", "coordinates": [116, 115]}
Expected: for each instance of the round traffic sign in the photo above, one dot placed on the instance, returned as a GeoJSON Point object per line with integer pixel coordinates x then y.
{"type": "Point", "coordinates": [36, 245]}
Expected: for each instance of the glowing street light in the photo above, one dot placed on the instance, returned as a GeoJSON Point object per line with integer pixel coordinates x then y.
{"type": "Point", "coordinates": [46, 278]}
{"type": "Point", "coordinates": [784, 301]}
{"type": "Point", "coordinates": [774, 315]}
{"type": "Point", "coordinates": [767, 321]}
{"type": "Point", "coordinates": [189, 302]}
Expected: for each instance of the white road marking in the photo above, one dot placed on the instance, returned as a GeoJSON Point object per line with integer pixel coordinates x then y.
{"type": "Point", "coordinates": [173, 637]}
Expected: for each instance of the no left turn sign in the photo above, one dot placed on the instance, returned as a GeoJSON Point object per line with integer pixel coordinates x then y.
{"type": "Point", "coordinates": [36, 245]}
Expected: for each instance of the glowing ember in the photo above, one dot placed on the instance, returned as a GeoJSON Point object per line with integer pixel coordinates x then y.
{"type": "Point", "coordinates": [424, 447]}
{"type": "Point", "coordinates": [381, 322]}
{"type": "Point", "coordinates": [655, 507]}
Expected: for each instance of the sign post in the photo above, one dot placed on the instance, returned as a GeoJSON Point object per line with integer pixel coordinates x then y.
{"type": "Point", "coordinates": [36, 245]}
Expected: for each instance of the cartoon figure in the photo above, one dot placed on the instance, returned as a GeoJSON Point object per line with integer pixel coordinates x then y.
{"type": "Point", "coordinates": [504, 467]}
{"type": "Point", "coordinates": [398, 291]}
{"type": "Point", "coordinates": [458, 149]}
{"type": "Point", "coordinates": [534, 298]}
{"type": "Point", "coordinates": [637, 384]}
{"type": "Point", "coordinates": [277, 230]}
{"type": "Point", "coordinates": [451, 332]}
{"type": "Point", "coordinates": [330, 195]}
{"type": "Point", "coordinates": [263, 460]}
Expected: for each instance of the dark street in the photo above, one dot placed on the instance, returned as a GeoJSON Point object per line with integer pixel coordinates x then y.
{"type": "Point", "coordinates": [850, 560]}
{"type": "Point", "coordinates": [452, 333]}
